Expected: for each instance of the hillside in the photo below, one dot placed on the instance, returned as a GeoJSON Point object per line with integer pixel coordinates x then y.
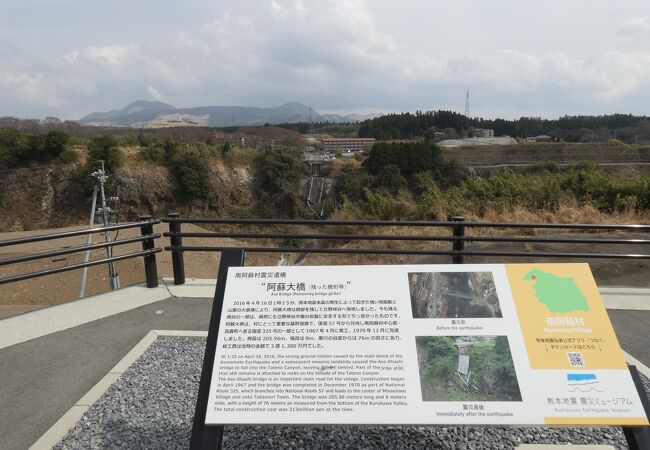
{"type": "Point", "coordinates": [257, 183]}
{"type": "Point", "coordinates": [51, 196]}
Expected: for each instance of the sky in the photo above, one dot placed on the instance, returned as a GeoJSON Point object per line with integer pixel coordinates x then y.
{"type": "Point", "coordinates": [547, 58]}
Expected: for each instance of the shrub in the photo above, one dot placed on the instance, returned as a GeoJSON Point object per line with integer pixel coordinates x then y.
{"type": "Point", "coordinates": [351, 185]}
{"type": "Point", "coordinates": [105, 148]}
{"type": "Point", "coordinates": [415, 157]}
{"type": "Point", "coordinates": [279, 171]}
{"type": "Point", "coordinates": [380, 205]}
{"type": "Point", "coordinates": [192, 174]}
{"type": "Point", "coordinates": [18, 148]}
{"type": "Point", "coordinates": [277, 176]}
{"type": "Point", "coordinates": [390, 179]}
{"type": "Point", "coordinates": [54, 144]}
{"type": "Point", "coordinates": [615, 143]}
{"type": "Point", "coordinates": [68, 156]}
{"type": "Point", "coordinates": [154, 153]}
{"type": "Point", "coordinates": [226, 148]}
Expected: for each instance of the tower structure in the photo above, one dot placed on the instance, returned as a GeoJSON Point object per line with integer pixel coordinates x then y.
{"type": "Point", "coordinates": [108, 216]}
{"type": "Point", "coordinates": [467, 104]}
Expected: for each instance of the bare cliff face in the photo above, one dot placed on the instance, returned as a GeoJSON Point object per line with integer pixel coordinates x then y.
{"type": "Point", "coordinates": [150, 189]}
{"type": "Point", "coordinates": [29, 198]}
{"type": "Point", "coordinates": [46, 197]}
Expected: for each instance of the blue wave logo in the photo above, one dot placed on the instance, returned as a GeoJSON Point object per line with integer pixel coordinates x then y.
{"type": "Point", "coordinates": [581, 377]}
{"type": "Point", "coordinates": [583, 382]}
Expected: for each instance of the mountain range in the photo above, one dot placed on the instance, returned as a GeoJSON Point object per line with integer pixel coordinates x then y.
{"type": "Point", "coordinates": [153, 114]}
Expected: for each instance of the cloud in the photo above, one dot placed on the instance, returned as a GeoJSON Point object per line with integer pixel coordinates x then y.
{"type": "Point", "coordinates": [336, 55]}
{"type": "Point", "coordinates": [31, 88]}
{"type": "Point", "coordinates": [113, 57]}
{"type": "Point", "coordinates": [635, 27]}
{"type": "Point", "coordinates": [155, 93]}
{"type": "Point", "coordinates": [340, 51]}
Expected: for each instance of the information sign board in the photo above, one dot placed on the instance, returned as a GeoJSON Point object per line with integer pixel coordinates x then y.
{"type": "Point", "coordinates": [418, 344]}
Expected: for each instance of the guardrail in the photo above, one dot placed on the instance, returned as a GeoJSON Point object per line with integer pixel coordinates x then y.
{"type": "Point", "coordinates": [148, 253]}
{"type": "Point", "coordinates": [457, 238]}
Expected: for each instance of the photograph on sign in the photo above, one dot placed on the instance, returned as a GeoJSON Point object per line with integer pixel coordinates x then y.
{"type": "Point", "coordinates": [453, 294]}
{"type": "Point", "coordinates": [466, 368]}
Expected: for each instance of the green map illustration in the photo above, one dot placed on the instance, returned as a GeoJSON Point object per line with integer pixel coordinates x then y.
{"type": "Point", "coordinates": [559, 294]}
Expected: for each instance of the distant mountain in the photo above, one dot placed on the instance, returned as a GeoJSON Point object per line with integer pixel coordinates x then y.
{"type": "Point", "coordinates": [140, 111]}
{"type": "Point", "coordinates": [146, 114]}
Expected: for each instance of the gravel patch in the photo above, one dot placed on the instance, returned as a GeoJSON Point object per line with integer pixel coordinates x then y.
{"type": "Point", "coordinates": [151, 406]}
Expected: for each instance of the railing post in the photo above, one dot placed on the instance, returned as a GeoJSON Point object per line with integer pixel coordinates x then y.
{"type": "Point", "coordinates": [178, 264]}
{"type": "Point", "coordinates": [150, 268]}
{"type": "Point", "coordinates": [458, 244]}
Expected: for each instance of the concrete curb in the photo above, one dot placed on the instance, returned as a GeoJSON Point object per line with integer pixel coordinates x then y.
{"type": "Point", "coordinates": [193, 287]}
{"type": "Point", "coordinates": [631, 360]}
{"type": "Point", "coordinates": [626, 298]}
{"type": "Point", "coordinates": [62, 426]}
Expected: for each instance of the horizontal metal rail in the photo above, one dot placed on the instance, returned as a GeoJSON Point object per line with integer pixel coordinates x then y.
{"type": "Point", "coordinates": [391, 251]}
{"type": "Point", "coordinates": [410, 223]}
{"type": "Point", "coordinates": [66, 234]}
{"type": "Point", "coordinates": [41, 273]}
{"type": "Point", "coordinates": [384, 237]}
{"type": "Point", "coordinates": [82, 248]}
{"type": "Point", "coordinates": [457, 236]}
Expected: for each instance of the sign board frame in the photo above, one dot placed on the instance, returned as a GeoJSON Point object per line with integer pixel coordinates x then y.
{"type": "Point", "coordinates": [210, 436]}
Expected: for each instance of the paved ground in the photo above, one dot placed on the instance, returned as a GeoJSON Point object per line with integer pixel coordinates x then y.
{"type": "Point", "coordinates": [42, 378]}
{"type": "Point", "coordinates": [633, 331]}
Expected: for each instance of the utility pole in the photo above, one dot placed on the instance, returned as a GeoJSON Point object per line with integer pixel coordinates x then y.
{"type": "Point", "coordinates": [108, 217]}
{"type": "Point", "coordinates": [89, 238]}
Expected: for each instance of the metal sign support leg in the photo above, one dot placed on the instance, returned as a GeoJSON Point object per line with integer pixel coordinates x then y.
{"type": "Point", "coordinates": [204, 436]}
{"type": "Point", "coordinates": [638, 438]}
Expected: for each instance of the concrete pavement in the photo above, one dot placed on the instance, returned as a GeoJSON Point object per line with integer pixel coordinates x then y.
{"type": "Point", "coordinates": [44, 377]}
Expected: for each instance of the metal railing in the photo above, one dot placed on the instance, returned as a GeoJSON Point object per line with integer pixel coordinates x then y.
{"type": "Point", "coordinates": [148, 252]}
{"type": "Point", "coordinates": [321, 231]}
{"type": "Point", "coordinates": [456, 237]}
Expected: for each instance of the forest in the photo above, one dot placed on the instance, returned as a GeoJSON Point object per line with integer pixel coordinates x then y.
{"type": "Point", "coordinates": [626, 127]}
{"type": "Point", "coordinates": [490, 376]}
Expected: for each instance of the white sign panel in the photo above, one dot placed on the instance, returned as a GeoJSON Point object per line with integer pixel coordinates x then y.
{"type": "Point", "coordinates": [443, 344]}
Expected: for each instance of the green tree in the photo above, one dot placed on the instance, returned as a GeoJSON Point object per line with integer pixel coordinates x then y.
{"type": "Point", "coordinates": [390, 179]}
{"type": "Point", "coordinates": [154, 153]}
{"type": "Point", "coordinates": [277, 174]}
{"type": "Point", "coordinates": [105, 148]}
{"type": "Point", "coordinates": [442, 354]}
{"type": "Point", "coordinates": [410, 157]}
{"type": "Point", "coordinates": [54, 144]}
{"type": "Point", "coordinates": [191, 168]}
